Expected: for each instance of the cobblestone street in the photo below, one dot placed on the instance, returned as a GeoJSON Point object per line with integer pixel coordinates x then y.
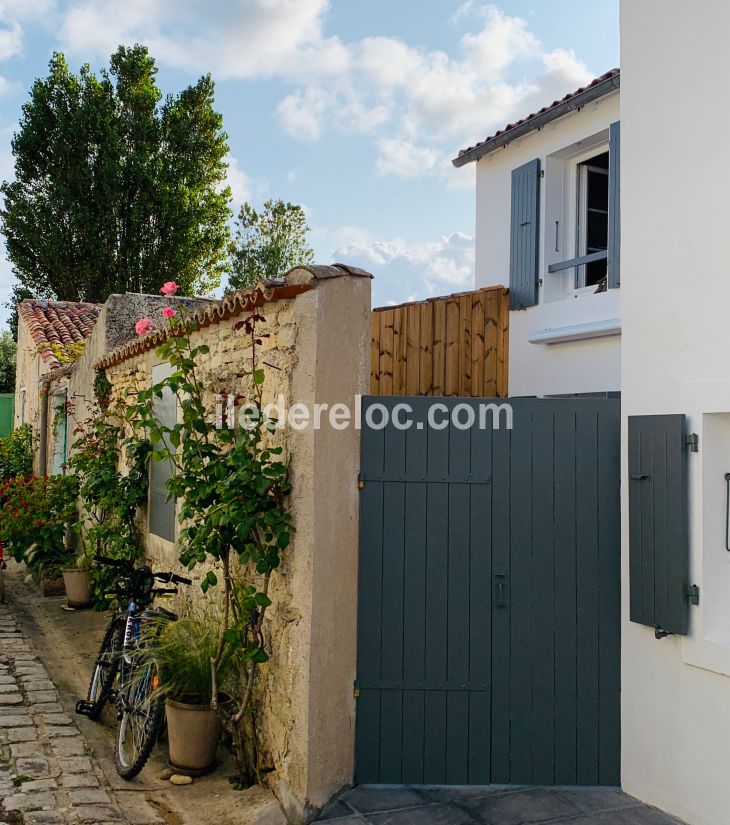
{"type": "Point", "coordinates": [56, 767]}
{"type": "Point", "coordinates": [46, 773]}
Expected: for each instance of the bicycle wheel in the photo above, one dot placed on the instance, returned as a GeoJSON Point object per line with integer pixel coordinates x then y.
{"type": "Point", "coordinates": [105, 669]}
{"type": "Point", "coordinates": [141, 719]}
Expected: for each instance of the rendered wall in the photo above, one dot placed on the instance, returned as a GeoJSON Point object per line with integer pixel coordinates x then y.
{"type": "Point", "coordinates": [540, 369]}
{"type": "Point", "coordinates": [317, 351]}
{"type": "Point", "coordinates": [675, 308]}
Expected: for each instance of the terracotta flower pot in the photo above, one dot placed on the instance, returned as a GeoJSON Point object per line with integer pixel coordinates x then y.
{"type": "Point", "coordinates": [78, 587]}
{"type": "Point", "coordinates": [193, 732]}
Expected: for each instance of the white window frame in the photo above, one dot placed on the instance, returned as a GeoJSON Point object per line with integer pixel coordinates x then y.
{"type": "Point", "coordinates": [562, 204]}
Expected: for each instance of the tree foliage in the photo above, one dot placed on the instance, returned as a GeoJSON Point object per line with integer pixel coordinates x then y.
{"type": "Point", "coordinates": [269, 242]}
{"type": "Point", "coordinates": [7, 362]}
{"type": "Point", "coordinates": [115, 188]}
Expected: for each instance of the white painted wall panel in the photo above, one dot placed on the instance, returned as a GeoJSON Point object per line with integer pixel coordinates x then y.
{"type": "Point", "coordinates": [675, 358]}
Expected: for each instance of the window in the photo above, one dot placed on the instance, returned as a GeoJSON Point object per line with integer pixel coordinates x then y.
{"type": "Point", "coordinates": [161, 509]}
{"type": "Point", "coordinates": [592, 218]}
{"type": "Point", "coordinates": [60, 433]}
{"type": "Point", "coordinates": [582, 234]}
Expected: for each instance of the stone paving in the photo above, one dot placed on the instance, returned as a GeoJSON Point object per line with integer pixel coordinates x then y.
{"type": "Point", "coordinates": [46, 773]}
{"type": "Point", "coordinates": [491, 806]}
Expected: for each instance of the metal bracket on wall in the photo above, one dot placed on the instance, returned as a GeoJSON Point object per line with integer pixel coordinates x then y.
{"type": "Point", "coordinates": [693, 442]}
{"type": "Point", "coordinates": [693, 594]}
{"type": "Point", "coordinates": [661, 634]}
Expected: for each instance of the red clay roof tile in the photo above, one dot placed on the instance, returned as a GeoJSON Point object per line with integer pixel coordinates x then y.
{"type": "Point", "coordinates": [53, 323]}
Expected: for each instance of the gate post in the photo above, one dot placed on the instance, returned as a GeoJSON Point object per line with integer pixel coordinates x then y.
{"type": "Point", "coordinates": [313, 723]}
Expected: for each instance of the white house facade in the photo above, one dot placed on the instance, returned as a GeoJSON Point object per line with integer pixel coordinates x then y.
{"type": "Point", "coordinates": [543, 187]}
{"type": "Point", "coordinates": [675, 311]}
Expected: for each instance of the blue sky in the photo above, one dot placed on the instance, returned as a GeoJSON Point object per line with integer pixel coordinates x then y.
{"type": "Point", "coordinates": [352, 108]}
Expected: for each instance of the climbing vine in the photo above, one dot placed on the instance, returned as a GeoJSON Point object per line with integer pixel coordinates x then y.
{"type": "Point", "coordinates": [232, 487]}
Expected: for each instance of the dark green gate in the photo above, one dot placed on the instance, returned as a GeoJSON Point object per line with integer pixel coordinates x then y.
{"type": "Point", "coordinates": [489, 607]}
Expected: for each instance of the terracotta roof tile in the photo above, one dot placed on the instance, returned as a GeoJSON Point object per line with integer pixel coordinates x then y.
{"type": "Point", "coordinates": [57, 323]}
{"type": "Point", "coordinates": [613, 75]}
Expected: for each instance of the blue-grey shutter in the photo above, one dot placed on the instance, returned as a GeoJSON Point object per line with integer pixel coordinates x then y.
{"type": "Point", "coordinates": [524, 235]}
{"type": "Point", "coordinates": [658, 522]}
{"type": "Point", "coordinates": [614, 205]}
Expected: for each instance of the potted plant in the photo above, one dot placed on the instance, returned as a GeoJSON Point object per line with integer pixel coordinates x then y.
{"type": "Point", "coordinates": [183, 651]}
{"type": "Point", "coordinates": [77, 579]}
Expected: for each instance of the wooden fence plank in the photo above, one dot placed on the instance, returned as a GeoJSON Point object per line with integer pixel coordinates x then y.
{"type": "Point", "coordinates": [492, 365]}
{"type": "Point", "coordinates": [451, 361]}
{"type": "Point", "coordinates": [439, 347]}
{"type": "Point", "coordinates": [465, 345]}
{"type": "Point", "coordinates": [375, 353]}
{"type": "Point", "coordinates": [478, 359]}
{"type": "Point", "coordinates": [386, 351]}
{"type": "Point", "coordinates": [413, 348]}
{"type": "Point", "coordinates": [426, 356]}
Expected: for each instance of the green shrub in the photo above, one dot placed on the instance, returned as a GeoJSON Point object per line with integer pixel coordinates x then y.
{"type": "Point", "coordinates": [34, 512]}
{"type": "Point", "coordinates": [16, 453]}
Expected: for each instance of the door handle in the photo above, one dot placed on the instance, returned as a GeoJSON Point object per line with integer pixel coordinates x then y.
{"type": "Point", "coordinates": [500, 587]}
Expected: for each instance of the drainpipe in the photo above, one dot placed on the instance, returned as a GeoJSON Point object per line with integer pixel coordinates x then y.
{"type": "Point", "coordinates": [43, 446]}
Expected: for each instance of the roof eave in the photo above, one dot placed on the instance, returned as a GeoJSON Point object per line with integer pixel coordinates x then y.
{"type": "Point", "coordinates": [565, 107]}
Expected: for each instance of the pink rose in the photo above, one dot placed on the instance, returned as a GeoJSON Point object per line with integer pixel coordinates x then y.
{"type": "Point", "coordinates": [169, 312]}
{"type": "Point", "coordinates": [169, 288]}
{"type": "Point", "coordinates": [143, 326]}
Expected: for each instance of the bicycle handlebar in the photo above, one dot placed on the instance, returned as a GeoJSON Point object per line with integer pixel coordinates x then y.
{"type": "Point", "coordinates": [172, 577]}
{"type": "Point", "coordinates": [129, 566]}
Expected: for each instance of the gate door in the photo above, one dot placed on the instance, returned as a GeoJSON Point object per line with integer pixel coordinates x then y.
{"type": "Point", "coordinates": [489, 595]}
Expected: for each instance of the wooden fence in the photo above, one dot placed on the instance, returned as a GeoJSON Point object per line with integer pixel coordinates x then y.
{"type": "Point", "coordinates": [454, 345]}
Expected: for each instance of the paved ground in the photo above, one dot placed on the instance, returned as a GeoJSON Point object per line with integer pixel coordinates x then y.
{"type": "Point", "coordinates": [491, 806]}
{"type": "Point", "coordinates": [56, 767]}
{"type": "Point", "coordinates": [46, 775]}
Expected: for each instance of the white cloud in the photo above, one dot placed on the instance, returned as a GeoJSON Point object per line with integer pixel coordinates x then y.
{"type": "Point", "coordinates": [423, 268]}
{"type": "Point", "coordinates": [248, 38]}
{"type": "Point", "coordinates": [20, 10]}
{"type": "Point", "coordinates": [300, 114]}
{"type": "Point", "coordinates": [240, 183]}
{"type": "Point", "coordinates": [398, 156]}
{"type": "Point", "coordinates": [11, 40]}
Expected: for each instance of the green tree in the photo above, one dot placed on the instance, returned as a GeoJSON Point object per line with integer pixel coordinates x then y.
{"type": "Point", "coordinates": [268, 243]}
{"type": "Point", "coordinates": [18, 294]}
{"type": "Point", "coordinates": [115, 188]}
{"type": "Point", "coordinates": [7, 362]}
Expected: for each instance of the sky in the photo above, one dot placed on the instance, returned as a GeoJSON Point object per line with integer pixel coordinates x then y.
{"type": "Point", "coordinates": [352, 108]}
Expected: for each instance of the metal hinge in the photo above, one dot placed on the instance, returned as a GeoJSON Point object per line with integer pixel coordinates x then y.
{"type": "Point", "coordinates": [693, 442]}
{"type": "Point", "coordinates": [360, 481]}
{"type": "Point", "coordinates": [356, 690]}
{"type": "Point", "coordinates": [693, 594]}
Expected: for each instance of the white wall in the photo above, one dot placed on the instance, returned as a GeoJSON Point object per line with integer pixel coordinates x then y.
{"type": "Point", "coordinates": [676, 359]}
{"type": "Point", "coordinates": [539, 369]}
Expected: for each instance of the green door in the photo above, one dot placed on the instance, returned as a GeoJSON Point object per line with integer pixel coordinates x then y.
{"type": "Point", "coordinates": [7, 408]}
{"type": "Point", "coordinates": [489, 603]}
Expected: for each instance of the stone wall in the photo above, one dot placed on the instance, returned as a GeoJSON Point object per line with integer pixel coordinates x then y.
{"type": "Point", "coordinates": [315, 349]}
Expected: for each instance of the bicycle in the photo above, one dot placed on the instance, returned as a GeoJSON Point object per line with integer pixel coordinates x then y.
{"type": "Point", "coordinates": [140, 713]}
